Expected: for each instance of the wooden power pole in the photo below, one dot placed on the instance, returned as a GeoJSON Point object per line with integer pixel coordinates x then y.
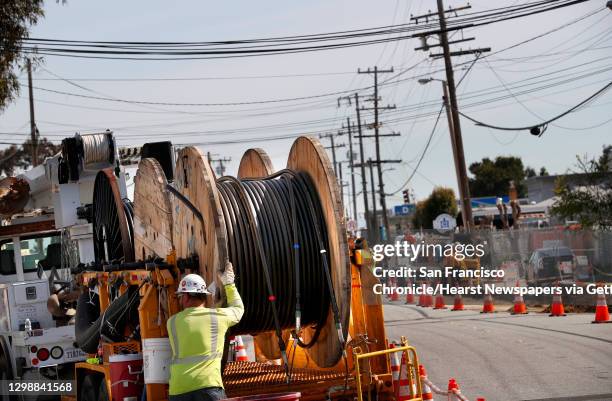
{"type": "Point", "coordinates": [34, 136]}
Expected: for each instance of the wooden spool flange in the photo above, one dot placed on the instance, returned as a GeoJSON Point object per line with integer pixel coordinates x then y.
{"type": "Point", "coordinates": [195, 180]}
{"type": "Point", "coordinates": [308, 155]}
{"type": "Point", "coordinates": [152, 212]}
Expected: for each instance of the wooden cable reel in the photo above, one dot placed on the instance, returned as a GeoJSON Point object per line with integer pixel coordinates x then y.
{"type": "Point", "coordinates": [206, 235]}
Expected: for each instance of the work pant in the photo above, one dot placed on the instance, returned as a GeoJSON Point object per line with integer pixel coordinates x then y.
{"type": "Point", "coordinates": [203, 394]}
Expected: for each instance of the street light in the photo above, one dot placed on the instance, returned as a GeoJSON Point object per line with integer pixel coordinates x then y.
{"type": "Point", "coordinates": [460, 181]}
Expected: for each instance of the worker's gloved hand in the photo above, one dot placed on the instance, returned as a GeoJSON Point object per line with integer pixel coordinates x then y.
{"type": "Point", "coordinates": [228, 275]}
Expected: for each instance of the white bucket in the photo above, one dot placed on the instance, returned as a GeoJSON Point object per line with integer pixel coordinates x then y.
{"type": "Point", "coordinates": [157, 356]}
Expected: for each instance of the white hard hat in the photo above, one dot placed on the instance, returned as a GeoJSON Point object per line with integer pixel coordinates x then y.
{"type": "Point", "coordinates": [192, 284]}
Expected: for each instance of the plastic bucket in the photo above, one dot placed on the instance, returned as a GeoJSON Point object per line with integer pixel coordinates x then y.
{"type": "Point", "coordinates": [271, 397]}
{"type": "Point", "coordinates": [125, 376]}
{"type": "Point", "coordinates": [157, 356]}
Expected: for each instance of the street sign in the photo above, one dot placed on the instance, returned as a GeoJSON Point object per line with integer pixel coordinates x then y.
{"type": "Point", "coordinates": [403, 210]}
{"type": "Point", "coordinates": [444, 222]}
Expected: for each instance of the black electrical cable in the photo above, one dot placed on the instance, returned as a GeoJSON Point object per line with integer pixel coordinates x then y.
{"type": "Point", "coordinates": [544, 123]}
{"type": "Point", "coordinates": [272, 229]}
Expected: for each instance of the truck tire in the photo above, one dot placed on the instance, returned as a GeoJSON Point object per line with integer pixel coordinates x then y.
{"type": "Point", "coordinates": [89, 388]}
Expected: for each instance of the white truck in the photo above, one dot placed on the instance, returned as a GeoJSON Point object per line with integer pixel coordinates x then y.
{"type": "Point", "coordinates": [45, 231]}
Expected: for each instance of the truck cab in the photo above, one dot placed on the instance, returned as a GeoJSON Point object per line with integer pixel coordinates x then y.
{"type": "Point", "coordinates": [36, 309]}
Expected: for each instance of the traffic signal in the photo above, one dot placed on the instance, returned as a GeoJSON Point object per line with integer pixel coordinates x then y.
{"type": "Point", "coordinates": [406, 196]}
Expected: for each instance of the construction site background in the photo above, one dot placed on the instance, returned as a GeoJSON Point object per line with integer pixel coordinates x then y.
{"type": "Point", "coordinates": [531, 256]}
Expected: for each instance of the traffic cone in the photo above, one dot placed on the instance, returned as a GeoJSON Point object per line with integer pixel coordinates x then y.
{"type": "Point", "coordinates": [440, 302]}
{"type": "Point", "coordinates": [395, 368]}
{"type": "Point", "coordinates": [453, 389]}
{"type": "Point", "coordinates": [394, 294]}
{"type": "Point", "coordinates": [556, 309]}
{"type": "Point", "coordinates": [519, 306]}
{"type": "Point", "coordinates": [423, 296]}
{"type": "Point", "coordinates": [403, 392]}
{"type": "Point", "coordinates": [488, 306]}
{"type": "Point", "coordinates": [601, 310]}
{"type": "Point", "coordinates": [409, 298]}
{"type": "Point", "coordinates": [241, 355]}
{"type": "Point", "coordinates": [428, 299]}
{"type": "Point", "coordinates": [427, 393]}
{"type": "Point", "coordinates": [458, 305]}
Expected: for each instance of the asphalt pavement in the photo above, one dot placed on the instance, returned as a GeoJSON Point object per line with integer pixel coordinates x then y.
{"type": "Point", "coordinates": [503, 357]}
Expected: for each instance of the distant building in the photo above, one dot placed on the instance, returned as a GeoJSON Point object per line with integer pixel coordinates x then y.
{"type": "Point", "coordinates": [541, 188]}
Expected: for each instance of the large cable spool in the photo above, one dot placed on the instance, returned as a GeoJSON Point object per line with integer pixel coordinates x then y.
{"type": "Point", "coordinates": [207, 236]}
{"type": "Point", "coordinates": [112, 221]}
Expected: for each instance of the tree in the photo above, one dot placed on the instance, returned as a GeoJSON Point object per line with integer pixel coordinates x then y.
{"type": "Point", "coordinates": [16, 18]}
{"type": "Point", "coordinates": [492, 177]}
{"type": "Point", "coordinates": [441, 200]}
{"type": "Point", "coordinates": [16, 158]}
{"type": "Point", "coordinates": [543, 172]}
{"type": "Point", "coordinates": [590, 203]}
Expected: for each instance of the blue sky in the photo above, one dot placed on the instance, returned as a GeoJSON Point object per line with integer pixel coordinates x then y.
{"type": "Point", "coordinates": [576, 63]}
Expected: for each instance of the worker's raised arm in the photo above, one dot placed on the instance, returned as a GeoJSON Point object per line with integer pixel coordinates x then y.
{"type": "Point", "coordinates": [235, 307]}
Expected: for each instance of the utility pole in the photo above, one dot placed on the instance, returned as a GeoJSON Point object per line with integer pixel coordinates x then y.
{"type": "Point", "coordinates": [333, 150]}
{"type": "Point", "coordinates": [381, 184]}
{"type": "Point", "coordinates": [352, 167]}
{"type": "Point", "coordinates": [454, 122]}
{"type": "Point", "coordinates": [34, 137]}
{"type": "Point", "coordinates": [362, 162]}
{"type": "Point", "coordinates": [376, 228]}
{"type": "Point", "coordinates": [220, 170]}
{"type": "Point", "coordinates": [364, 184]}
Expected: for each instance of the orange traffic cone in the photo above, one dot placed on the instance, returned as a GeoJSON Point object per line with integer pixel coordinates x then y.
{"type": "Point", "coordinates": [394, 294]}
{"type": "Point", "coordinates": [395, 368]}
{"type": "Point", "coordinates": [428, 299]}
{"type": "Point", "coordinates": [241, 355]}
{"type": "Point", "coordinates": [488, 306]}
{"type": "Point", "coordinates": [403, 392]}
{"type": "Point", "coordinates": [409, 298]}
{"type": "Point", "coordinates": [602, 315]}
{"type": "Point", "coordinates": [453, 389]}
{"type": "Point", "coordinates": [427, 393]}
{"type": "Point", "coordinates": [458, 305]}
{"type": "Point", "coordinates": [422, 300]}
{"type": "Point", "coordinates": [440, 302]}
{"type": "Point", "coordinates": [557, 309]}
{"type": "Point", "coordinates": [519, 305]}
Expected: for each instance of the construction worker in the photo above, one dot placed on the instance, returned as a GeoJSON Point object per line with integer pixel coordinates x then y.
{"type": "Point", "coordinates": [197, 336]}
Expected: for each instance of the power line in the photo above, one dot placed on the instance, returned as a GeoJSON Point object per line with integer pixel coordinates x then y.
{"type": "Point", "coordinates": [542, 125]}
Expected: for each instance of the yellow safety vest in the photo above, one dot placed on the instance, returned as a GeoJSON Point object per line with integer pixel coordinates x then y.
{"type": "Point", "coordinates": [196, 337]}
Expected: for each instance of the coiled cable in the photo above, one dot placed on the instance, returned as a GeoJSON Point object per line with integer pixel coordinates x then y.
{"type": "Point", "coordinates": [273, 229]}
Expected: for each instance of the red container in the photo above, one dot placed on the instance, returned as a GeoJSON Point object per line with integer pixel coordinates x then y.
{"type": "Point", "coordinates": [269, 397]}
{"type": "Point", "coordinates": [126, 376]}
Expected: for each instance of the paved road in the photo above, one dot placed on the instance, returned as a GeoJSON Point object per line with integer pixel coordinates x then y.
{"type": "Point", "coordinates": [506, 358]}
